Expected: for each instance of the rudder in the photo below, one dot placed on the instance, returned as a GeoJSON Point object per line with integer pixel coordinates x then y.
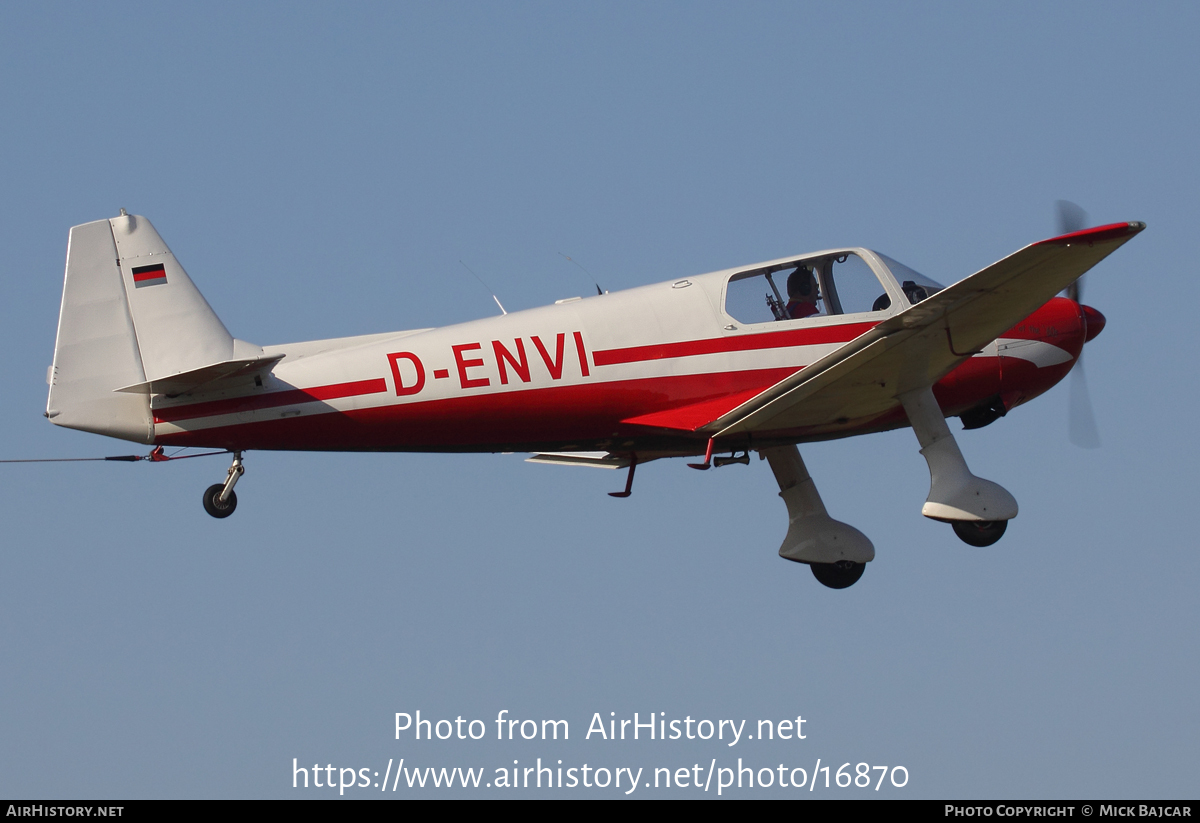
{"type": "Point", "coordinates": [96, 348]}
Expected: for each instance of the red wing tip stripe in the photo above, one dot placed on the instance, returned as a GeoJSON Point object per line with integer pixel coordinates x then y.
{"type": "Point", "coordinates": [290, 397]}
{"type": "Point", "coordinates": [1112, 231]}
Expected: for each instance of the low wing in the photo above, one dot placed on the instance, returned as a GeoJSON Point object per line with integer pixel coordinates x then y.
{"type": "Point", "coordinates": [925, 342]}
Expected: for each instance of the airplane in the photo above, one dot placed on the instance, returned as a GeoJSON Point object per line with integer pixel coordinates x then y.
{"type": "Point", "coordinates": [757, 358]}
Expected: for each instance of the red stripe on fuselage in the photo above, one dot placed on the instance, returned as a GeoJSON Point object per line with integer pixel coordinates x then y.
{"type": "Point", "coordinates": [553, 414]}
{"type": "Point", "coordinates": [270, 400]}
{"type": "Point", "coordinates": [769, 340]}
{"type": "Point", "coordinates": [551, 418]}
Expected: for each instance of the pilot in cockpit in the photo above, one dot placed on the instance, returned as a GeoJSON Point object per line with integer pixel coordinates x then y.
{"type": "Point", "coordinates": [803, 293]}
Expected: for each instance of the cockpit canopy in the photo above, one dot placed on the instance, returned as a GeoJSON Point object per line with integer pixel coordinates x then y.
{"type": "Point", "coordinates": [848, 281]}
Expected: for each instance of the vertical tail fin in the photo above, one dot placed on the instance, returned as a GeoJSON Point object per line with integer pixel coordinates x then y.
{"type": "Point", "coordinates": [130, 315]}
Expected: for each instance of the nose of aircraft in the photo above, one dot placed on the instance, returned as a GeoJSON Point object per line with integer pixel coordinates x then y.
{"type": "Point", "coordinates": [1094, 321]}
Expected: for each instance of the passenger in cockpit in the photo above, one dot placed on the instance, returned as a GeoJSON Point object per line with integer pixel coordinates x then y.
{"type": "Point", "coordinates": [803, 293]}
{"type": "Point", "coordinates": [913, 292]}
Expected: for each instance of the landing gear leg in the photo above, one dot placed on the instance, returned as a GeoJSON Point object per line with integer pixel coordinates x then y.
{"type": "Point", "coordinates": [979, 509]}
{"type": "Point", "coordinates": [836, 552]}
{"type": "Point", "coordinates": [219, 498]}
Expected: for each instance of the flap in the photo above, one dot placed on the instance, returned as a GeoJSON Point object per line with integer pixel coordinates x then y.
{"type": "Point", "coordinates": [600, 460]}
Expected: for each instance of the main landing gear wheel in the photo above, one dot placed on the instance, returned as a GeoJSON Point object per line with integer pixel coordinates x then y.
{"type": "Point", "coordinates": [979, 532]}
{"type": "Point", "coordinates": [840, 575]}
{"type": "Point", "coordinates": [213, 504]}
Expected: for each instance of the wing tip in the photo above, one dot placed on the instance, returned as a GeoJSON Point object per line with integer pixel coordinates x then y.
{"type": "Point", "coordinates": [1111, 231]}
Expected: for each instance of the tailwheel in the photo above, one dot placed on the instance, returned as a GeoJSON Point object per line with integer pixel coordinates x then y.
{"type": "Point", "coordinates": [219, 498]}
{"type": "Point", "coordinates": [840, 575]}
{"type": "Point", "coordinates": [979, 532]}
{"type": "Point", "coordinates": [214, 505]}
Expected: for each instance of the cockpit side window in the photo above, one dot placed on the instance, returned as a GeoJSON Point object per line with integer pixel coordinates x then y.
{"type": "Point", "coordinates": [779, 293]}
{"type": "Point", "coordinates": [817, 287]}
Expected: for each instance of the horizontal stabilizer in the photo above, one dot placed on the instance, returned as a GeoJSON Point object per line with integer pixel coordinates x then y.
{"type": "Point", "coordinates": [191, 380]}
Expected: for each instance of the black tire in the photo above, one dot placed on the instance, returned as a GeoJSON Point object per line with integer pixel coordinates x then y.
{"type": "Point", "coordinates": [840, 575]}
{"type": "Point", "coordinates": [979, 532]}
{"type": "Point", "coordinates": [213, 504]}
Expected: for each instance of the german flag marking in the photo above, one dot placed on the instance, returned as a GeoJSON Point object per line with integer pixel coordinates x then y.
{"type": "Point", "coordinates": [149, 275]}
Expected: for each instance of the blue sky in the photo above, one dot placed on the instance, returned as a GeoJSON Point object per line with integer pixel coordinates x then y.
{"type": "Point", "coordinates": [321, 170]}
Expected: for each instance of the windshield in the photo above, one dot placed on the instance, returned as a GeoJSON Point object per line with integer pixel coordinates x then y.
{"type": "Point", "coordinates": [915, 285]}
{"type": "Point", "coordinates": [904, 275]}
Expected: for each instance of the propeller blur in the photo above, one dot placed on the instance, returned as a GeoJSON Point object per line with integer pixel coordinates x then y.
{"type": "Point", "coordinates": [1081, 419]}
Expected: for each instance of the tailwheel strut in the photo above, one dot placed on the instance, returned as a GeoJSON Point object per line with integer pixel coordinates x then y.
{"type": "Point", "coordinates": [219, 499]}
